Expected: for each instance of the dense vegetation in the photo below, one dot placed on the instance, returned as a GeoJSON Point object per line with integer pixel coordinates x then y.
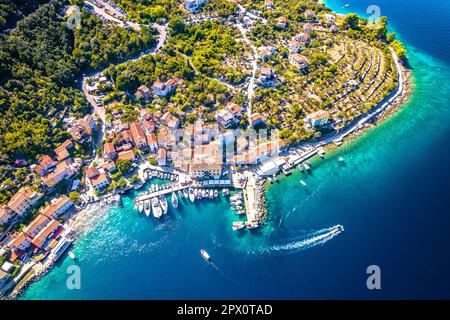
{"type": "Point", "coordinates": [39, 63]}
{"type": "Point", "coordinates": [12, 11]}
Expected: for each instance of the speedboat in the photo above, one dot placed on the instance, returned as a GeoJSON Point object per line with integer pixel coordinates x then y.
{"type": "Point", "coordinates": [240, 212]}
{"type": "Point", "coordinates": [303, 182]}
{"type": "Point", "coordinates": [140, 206]}
{"type": "Point", "coordinates": [164, 204]}
{"type": "Point", "coordinates": [238, 225]}
{"type": "Point", "coordinates": [180, 194]}
{"type": "Point", "coordinates": [307, 167]}
{"type": "Point", "coordinates": [157, 212]}
{"type": "Point", "coordinates": [211, 193]}
{"type": "Point", "coordinates": [203, 193]}
{"type": "Point", "coordinates": [174, 200]}
{"type": "Point", "coordinates": [185, 193]}
{"type": "Point", "coordinates": [341, 159]}
{"type": "Point", "coordinates": [147, 208]}
{"type": "Point", "coordinates": [216, 193]}
{"type": "Point", "coordinates": [191, 195]}
{"type": "Point", "coordinates": [205, 255]}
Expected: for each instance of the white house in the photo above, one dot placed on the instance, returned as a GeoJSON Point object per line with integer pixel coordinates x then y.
{"type": "Point", "coordinates": [194, 6]}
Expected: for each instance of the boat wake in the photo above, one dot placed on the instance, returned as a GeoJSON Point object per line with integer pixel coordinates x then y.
{"type": "Point", "coordinates": [306, 241]}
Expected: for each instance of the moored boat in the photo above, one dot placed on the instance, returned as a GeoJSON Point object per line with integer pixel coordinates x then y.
{"type": "Point", "coordinates": [157, 212]}
{"type": "Point", "coordinates": [252, 225]}
{"type": "Point", "coordinates": [71, 255]}
{"type": "Point", "coordinates": [163, 203]}
{"type": "Point", "coordinates": [216, 193]}
{"type": "Point", "coordinates": [185, 193]}
{"type": "Point", "coordinates": [191, 195]}
{"type": "Point", "coordinates": [147, 208]}
{"type": "Point", "coordinates": [140, 206]}
{"type": "Point", "coordinates": [174, 200]}
{"type": "Point", "coordinates": [238, 225]}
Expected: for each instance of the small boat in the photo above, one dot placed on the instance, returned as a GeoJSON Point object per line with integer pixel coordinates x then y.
{"type": "Point", "coordinates": [274, 177]}
{"type": "Point", "coordinates": [203, 193]}
{"type": "Point", "coordinates": [307, 167]}
{"type": "Point", "coordinates": [236, 196]}
{"type": "Point", "coordinates": [157, 212]}
{"type": "Point", "coordinates": [224, 192]}
{"type": "Point", "coordinates": [174, 200]}
{"type": "Point", "coordinates": [240, 212]}
{"type": "Point", "coordinates": [163, 203]}
{"type": "Point", "coordinates": [303, 182]}
{"type": "Point", "coordinates": [270, 179]}
{"type": "Point", "coordinates": [216, 193]}
{"type": "Point", "coordinates": [205, 255]}
{"type": "Point", "coordinates": [191, 195]}
{"type": "Point", "coordinates": [341, 159]}
{"type": "Point", "coordinates": [252, 225]}
{"type": "Point", "coordinates": [196, 193]}
{"type": "Point", "coordinates": [238, 225]}
{"type": "Point", "coordinates": [180, 194]}
{"type": "Point", "coordinates": [71, 255]}
{"type": "Point", "coordinates": [147, 208]}
{"type": "Point", "coordinates": [141, 206]}
{"type": "Point", "coordinates": [236, 208]}
{"type": "Point", "coordinates": [211, 193]}
{"type": "Point", "coordinates": [185, 193]}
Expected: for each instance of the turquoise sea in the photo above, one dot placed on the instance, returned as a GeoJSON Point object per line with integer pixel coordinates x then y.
{"type": "Point", "coordinates": [391, 194]}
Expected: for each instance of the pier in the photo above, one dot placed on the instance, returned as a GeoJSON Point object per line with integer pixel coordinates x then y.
{"type": "Point", "coordinates": [223, 183]}
{"type": "Point", "coordinates": [254, 200]}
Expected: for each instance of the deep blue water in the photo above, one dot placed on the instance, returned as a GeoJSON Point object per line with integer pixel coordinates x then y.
{"type": "Point", "coordinates": [391, 194]}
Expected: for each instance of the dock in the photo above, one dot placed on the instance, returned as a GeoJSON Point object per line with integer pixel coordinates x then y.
{"type": "Point", "coordinates": [254, 201]}
{"type": "Point", "coordinates": [223, 183]}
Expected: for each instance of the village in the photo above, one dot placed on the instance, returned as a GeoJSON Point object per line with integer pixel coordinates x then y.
{"type": "Point", "coordinates": [274, 120]}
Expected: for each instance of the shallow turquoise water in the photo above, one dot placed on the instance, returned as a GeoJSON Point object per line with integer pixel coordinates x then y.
{"type": "Point", "coordinates": [390, 194]}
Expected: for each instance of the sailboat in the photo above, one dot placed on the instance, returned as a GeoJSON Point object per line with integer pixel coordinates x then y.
{"type": "Point", "coordinates": [174, 200]}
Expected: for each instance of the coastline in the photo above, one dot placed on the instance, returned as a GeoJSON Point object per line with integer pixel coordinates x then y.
{"type": "Point", "coordinates": [86, 217]}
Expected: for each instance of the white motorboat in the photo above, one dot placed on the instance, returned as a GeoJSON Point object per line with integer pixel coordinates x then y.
{"type": "Point", "coordinates": [191, 195]}
{"type": "Point", "coordinates": [205, 255]}
{"type": "Point", "coordinates": [185, 193]}
{"type": "Point", "coordinates": [216, 193]}
{"type": "Point", "coordinates": [341, 159]}
{"type": "Point", "coordinates": [303, 182]}
{"type": "Point", "coordinates": [72, 255]}
{"type": "Point", "coordinates": [163, 203]}
{"type": "Point", "coordinates": [211, 193]}
{"type": "Point", "coordinates": [174, 200]}
{"type": "Point", "coordinates": [157, 212]}
{"type": "Point", "coordinates": [140, 206]}
{"type": "Point", "coordinates": [238, 225]}
{"type": "Point", "coordinates": [180, 194]}
{"type": "Point", "coordinates": [147, 208]}
{"type": "Point", "coordinates": [307, 167]}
